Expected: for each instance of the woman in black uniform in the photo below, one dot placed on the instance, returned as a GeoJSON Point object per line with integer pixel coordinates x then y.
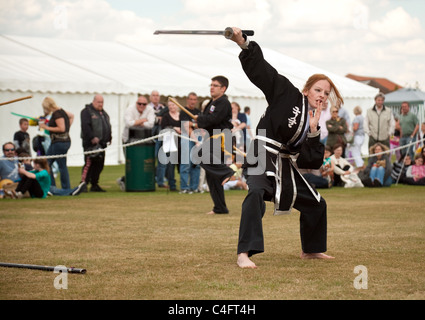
{"type": "Point", "coordinates": [290, 141]}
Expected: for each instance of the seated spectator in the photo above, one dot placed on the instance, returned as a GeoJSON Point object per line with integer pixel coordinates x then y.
{"type": "Point", "coordinates": [344, 173]}
{"type": "Point", "coordinates": [415, 174]}
{"type": "Point", "coordinates": [25, 162]}
{"type": "Point", "coordinates": [36, 182]}
{"type": "Point", "coordinates": [378, 170]}
{"type": "Point", "coordinates": [9, 168]}
{"type": "Point", "coordinates": [237, 181]}
{"type": "Point", "coordinates": [54, 191]}
{"type": "Point", "coordinates": [323, 177]}
{"type": "Point", "coordinates": [398, 173]}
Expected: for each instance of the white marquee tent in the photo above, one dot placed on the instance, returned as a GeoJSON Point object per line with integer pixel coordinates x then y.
{"type": "Point", "coordinates": [72, 71]}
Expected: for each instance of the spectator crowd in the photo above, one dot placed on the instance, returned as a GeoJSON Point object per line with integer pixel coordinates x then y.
{"type": "Point", "coordinates": [343, 163]}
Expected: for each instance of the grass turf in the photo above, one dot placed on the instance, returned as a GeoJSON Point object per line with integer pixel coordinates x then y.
{"type": "Point", "coordinates": [161, 245]}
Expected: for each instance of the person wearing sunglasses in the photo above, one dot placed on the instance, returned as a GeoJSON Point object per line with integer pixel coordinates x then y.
{"type": "Point", "coordinates": [139, 115]}
{"type": "Point", "coordinates": [9, 165]}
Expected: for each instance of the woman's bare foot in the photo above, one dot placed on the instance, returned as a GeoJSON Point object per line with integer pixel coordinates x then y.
{"type": "Point", "coordinates": [315, 256]}
{"type": "Point", "coordinates": [244, 262]}
{"type": "Point", "coordinates": [211, 212]}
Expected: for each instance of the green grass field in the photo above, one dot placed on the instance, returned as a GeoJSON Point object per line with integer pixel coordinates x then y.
{"type": "Point", "coordinates": [159, 245]}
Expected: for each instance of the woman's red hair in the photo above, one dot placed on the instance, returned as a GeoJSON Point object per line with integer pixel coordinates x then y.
{"type": "Point", "coordinates": [334, 97]}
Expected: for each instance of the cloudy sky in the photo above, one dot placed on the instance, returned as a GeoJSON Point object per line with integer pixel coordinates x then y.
{"type": "Point", "coordinates": [381, 38]}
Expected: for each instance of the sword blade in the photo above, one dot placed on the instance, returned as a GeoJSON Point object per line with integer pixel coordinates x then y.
{"type": "Point", "coordinates": [203, 32]}
{"type": "Point", "coordinates": [227, 33]}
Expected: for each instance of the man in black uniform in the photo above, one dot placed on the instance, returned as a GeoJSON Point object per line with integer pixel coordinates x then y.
{"type": "Point", "coordinates": [96, 134]}
{"type": "Point", "coordinates": [291, 141]}
{"type": "Point", "coordinates": [216, 117]}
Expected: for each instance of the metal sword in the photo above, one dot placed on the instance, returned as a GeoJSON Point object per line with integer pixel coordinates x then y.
{"type": "Point", "coordinates": [227, 33]}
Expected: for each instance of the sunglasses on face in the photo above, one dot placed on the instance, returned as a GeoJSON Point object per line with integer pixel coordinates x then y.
{"type": "Point", "coordinates": [8, 150]}
{"type": "Point", "coordinates": [141, 104]}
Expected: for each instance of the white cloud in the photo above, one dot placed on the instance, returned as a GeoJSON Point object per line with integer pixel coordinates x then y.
{"type": "Point", "coordinates": [397, 24]}
{"type": "Point", "coordinates": [92, 20]}
{"type": "Point", "coordinates": [341, 36]}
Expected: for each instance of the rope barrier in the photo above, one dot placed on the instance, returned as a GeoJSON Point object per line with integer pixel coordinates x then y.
{"type": "Point", "coordinates": [390, 150]}
{"type": "Point", "coordinates": [184, 137]}
{"type": "Point", "coordinates": [98, 150]}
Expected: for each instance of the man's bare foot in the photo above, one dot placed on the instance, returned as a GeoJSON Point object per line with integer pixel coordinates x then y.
{"type": "Point", "coordinates": [315, 256]}
{"type": "Point", "coordinates": [211, 212]}
{"type": "Point", "coordinates": [244, 262]}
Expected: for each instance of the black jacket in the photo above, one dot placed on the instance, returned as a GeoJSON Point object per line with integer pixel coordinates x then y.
{"type": "Point", "coordinates": [216, 115]}
{"type": "Point", "coordinates": [286, 127]}
{"type": "Point", "coordinates": [95, 124]}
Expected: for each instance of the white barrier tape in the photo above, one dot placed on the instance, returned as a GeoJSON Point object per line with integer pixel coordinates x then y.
{"type": "Point", "coordinates": [180, 136]}
{"type": "Point", "coordinates": [97, 150]}
{"type": "Point", "coordinates": [390, 150]}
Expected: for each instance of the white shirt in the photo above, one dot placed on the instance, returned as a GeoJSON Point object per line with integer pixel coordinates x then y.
{"type": "Point", "coordinates": [132, 114]}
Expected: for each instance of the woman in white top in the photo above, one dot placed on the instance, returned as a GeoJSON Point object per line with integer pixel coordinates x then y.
{"type": "Point", "coordinates": [358, 137]}
{"type": "Point", "coordinates": [344, 173]}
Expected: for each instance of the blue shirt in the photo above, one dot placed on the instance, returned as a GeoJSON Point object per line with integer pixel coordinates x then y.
{"type": "Point", "coordinates": [359, 119]}
{"type": "Point", "coordinates": [9, 170]}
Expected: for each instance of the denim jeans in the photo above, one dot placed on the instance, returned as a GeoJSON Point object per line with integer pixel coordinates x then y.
{"type": "Point", "coordinates": [160, 169]}
{"type": "Point", "coordinates": [57, 149]}
{"type": "Point", "coordinates": [189, 173]}
{"type": "Point", "coordinates": [61, 192]}
{"type": "Point", "coordinates": [410, 150]}
{"type": "Point", "coordinates": [377, 173]}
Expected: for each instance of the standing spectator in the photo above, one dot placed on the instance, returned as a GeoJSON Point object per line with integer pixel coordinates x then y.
{"type": "Point", "coordinates": [159, 110]}
{"type": "Point", "coordinates": [171, 120]}
{"type": "Point", "coordinates": [189, 172]}
{"type": "Point", "coordinates": [379, 122]}
{"type": "Point", "coordinates": [96, 133]}
{"type": "Point", "coordinates": [423, 133]}
{"type": "Point", "coordinates": [249, 135]}
{"type": "Point", "coordinates": [337, 127]}
{"type": "Point", "coordinates": [343, 113]}
{"type": "Point", "coordinates": [358, 137]}
{"type": "Point", "coordinates": [58, 127]}
{"type": "Point", "coordinates": [325, 116]}
{"type": "Point", "coordinates": [216, 116]}
{"type": "Point", "coordinates": [409, 127]}
{"type": "Point", "coordinates": [239, 125]}
{"type": "Point", "coordinates": [140, 115]}
{"type": "Point", "coordinates": [21, 138]}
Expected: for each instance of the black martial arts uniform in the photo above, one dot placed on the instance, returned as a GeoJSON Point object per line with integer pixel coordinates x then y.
{"type": "Point", "coordinates": [216, 116]}
{"type": "Point", "coordinates": [287, 137]}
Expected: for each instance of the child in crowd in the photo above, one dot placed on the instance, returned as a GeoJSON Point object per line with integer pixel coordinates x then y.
{"type": "Point", "coordinates": [415, 174]}
{"type": "Point", "coordinates": [21, 138]}
{"type": "Point", "coordinates": [36, 182]}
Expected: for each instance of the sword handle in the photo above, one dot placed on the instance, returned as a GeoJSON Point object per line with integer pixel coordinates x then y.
{"type": "Point", "coordinates": [228, 32]}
